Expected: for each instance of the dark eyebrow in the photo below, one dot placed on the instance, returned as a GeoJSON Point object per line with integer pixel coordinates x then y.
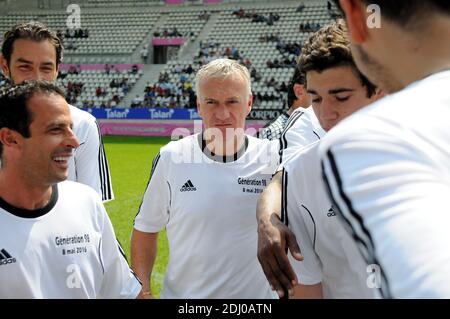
{"type": "Point", "coordinates": [340, 90]}
{"type": "Point", "coordinates": [48, 64]}
{"type": "Point", "coordinates": [22, 60]}
{"type": "Point", "coordinates": [334, 91]}
{"type": "Point", "coordinates": [56, 125]}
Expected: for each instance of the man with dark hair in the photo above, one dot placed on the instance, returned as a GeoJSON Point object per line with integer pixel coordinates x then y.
{"type": "Point", "coordinates": [31, 51]}
{"type": "Point", "coordinates": [296, 97]}
{"type": "Point", "coordinates": [295, 201]}
{"type": "Point", "coordinates": [387, 167]}
{"type": "Point", "coordinates": [303, 127]}
{"type": "Point", "coordinates": [56, 238]}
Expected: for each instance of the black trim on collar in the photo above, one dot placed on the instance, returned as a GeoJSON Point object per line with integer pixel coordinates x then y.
{"type": "Point", "coordinates": [25, 213]}
{"type": "Point", "coordinates": [222, 158]}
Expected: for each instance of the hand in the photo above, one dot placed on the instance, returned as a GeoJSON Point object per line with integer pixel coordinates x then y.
{"type": "Point", "coordinates": [274, 240]}
{"type": "Point", "coordinates": [145, 295]}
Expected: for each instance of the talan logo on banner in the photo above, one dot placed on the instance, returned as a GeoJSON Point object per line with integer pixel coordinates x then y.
{"type": "Point", "coordinates": [144, 114]}
{"type": "Point", "coordinates": [116, 114]}
{"type": "Point", "coordinates": [193, 114]}
{"type": "Point", "coordinates": [156, 114]}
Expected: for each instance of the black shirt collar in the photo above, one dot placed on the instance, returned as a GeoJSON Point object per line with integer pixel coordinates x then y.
{"type": "Point", "coordinates": [222, 158]}
{"type": "Point", "coordinates": [25, 213]}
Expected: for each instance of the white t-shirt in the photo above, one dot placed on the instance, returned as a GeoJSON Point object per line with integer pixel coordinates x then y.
{"type": "Point", "coordinates": [302, 129]}
{"type": "Point", "coordinates": [208, 209]}
{"type": "Point", "coordinates": [388, 169]}
{"type": "Point", "coordinates": [67, 249]}
{"type": "Point", "coordinates": [331, 256]}
{"type": "Point", "coordinates": [89, 166]}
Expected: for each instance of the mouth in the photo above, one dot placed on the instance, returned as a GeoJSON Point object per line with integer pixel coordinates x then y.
{"type": "Point", "coordinates": [62, 161]}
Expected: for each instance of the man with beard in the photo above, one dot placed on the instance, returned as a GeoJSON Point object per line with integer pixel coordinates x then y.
{"type": "Point", "coordinates": [31, 51]}
{"type": "Point", "coordinates": [387, 167]}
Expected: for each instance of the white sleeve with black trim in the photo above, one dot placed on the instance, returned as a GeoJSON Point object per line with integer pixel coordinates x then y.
{"type": "Point", "coordinates": [395, 205]}
{"type": "Point", "coordinates": [119, 281]}
{"type": "Point", "coordinates": [308, 271]}
{"type": "Point", "coordinates": [153, 214]}
{"type": "Point", "coordinates": [91, 163]}
{"type": "Point", "coordinates": [301, 130]}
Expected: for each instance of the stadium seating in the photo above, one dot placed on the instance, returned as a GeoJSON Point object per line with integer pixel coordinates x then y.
{"type": "Point", "coordinates": [98, 77]}
{"type": "Point", "coordinates": [117, 29]}
{"type": "Point", "coordinates": [109, 33]}
{"type": "Point", "coordinates": [187, 23]}
{"type": "Point", "coordinates": [243, 34]}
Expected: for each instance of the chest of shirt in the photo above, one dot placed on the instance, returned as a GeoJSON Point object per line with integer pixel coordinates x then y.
{"type": "Point", "coordinates": [218, 190]}
{"type": "Point", "coordinates": [48, 247]}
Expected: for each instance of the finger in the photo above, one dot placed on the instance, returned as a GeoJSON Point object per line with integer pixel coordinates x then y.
{"type": "Point", "coordinates": [285, 267]}
{"type": "Point", "coordinates": [284, 282]}
{"type": "Point", "coordinates": [272, 271]}
{"type": "Point", "coordinates": [267, 269]}
{"type": "Point", "coordinates": [278, 288]}
{"type": "Point", "coordinates": [291, 243]}
{"type": "Point", "coordinates": [286, 273]}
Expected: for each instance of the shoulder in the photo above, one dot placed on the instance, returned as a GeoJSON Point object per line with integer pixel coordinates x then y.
{"type": "Point", "coordinates": [298, 114]}
{"type": "Point", "coordinates": [178, 151]}
{"type": "Point", "coordinates": [302, 155]}
{"type": "Point", "coordinates": [282, 118]}
{"type": "Point", "coordinates": [180, 145]}
{"type": "Point", "coordinates": [304, 164]}
{"type": "Point", "coordinates": [81, 117]}
{"type": "Point", "coordinates": [258, 146]}
{"type": "Point", "coordinates": [77, 190]}
{"type": "Point", "coordinates": [81, 203]}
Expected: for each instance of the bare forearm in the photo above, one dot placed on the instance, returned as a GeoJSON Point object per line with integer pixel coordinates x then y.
{"type": "Point", "coordinates": [274, 238]}
{"type": "Point", "coordinates": [143, 255]}
{"type": "Point", "coordinates": [269, 202]}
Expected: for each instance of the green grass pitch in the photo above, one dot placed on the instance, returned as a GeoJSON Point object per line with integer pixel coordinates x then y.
{"type": "Point", "coordinates": [130, 160]}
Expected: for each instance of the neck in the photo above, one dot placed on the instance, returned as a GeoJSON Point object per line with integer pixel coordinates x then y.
{"type": "Point", "coordinates": [16, 191]}
{"type": "Point", "coordinates": [295, 106]}
{"type": "Point", "coordinates": [227, 147]}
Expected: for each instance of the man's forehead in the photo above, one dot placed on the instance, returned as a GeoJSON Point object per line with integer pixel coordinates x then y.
{"type": "Point", "coordinates": [21, 47]}
{"type": "Point", "coordinates": [333, 81]}
{"type": "Point", "coordinates": [232, 86]}
{"type": "Point", "coordinates": [46, 101]}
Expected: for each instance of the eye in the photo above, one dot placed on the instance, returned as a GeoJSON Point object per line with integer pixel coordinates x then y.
{"type": "Point", "coordinates": [55, 130]}
{"type": "Point", "coordinates": [342, 99]}
{"type": "Point", "coordinates": [316, 100]}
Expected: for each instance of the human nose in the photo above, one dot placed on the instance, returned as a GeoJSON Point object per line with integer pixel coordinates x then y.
{"type": "Point", "coordinates": [328, 111]}
{"type": "Point", "coordinates": [222, 112]}
{"type": "Point", "coordinates": [72, 140]}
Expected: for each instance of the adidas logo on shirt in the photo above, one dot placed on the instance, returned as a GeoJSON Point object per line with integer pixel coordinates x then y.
{"type": "Point", "coordinates": [188, 187]}
{"type": "Point", "coordinates": [331, 212]}
{"type": "Point", "coordinates": [6, 258]}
